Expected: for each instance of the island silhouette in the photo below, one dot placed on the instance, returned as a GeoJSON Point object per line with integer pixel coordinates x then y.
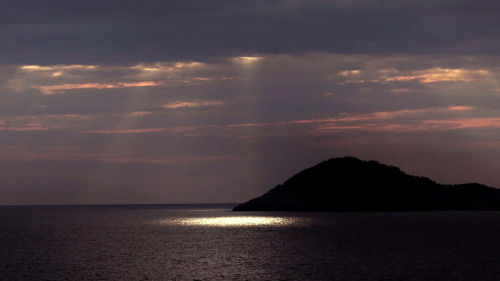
{"type": "Point", "coordinates": [350, 184]}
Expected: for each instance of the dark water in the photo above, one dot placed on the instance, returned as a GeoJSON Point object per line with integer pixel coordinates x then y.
{"type": "Point", "coordinates": [211, 243]}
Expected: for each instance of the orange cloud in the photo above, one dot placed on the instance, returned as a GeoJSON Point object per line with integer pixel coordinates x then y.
{"type": "Point", "coordinates": [440, 75]}
{"type": "Point", "coordinates": [166, 67]}
{"type": "Point", "coordinates": [58, 67]}
{"type": "Point", "coordinates": [48, 90]}
{"type": "Point", "coordinates": [57, 71]}
{"type": "Point", "coordinates": [426, 76]}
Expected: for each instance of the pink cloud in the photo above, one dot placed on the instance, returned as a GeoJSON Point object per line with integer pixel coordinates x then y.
{"type": "Point", "coordinates": [43, 122]}
{"type": "Point", "coordinates": [28, 127]}
{"type": "Point", "coordinates": [465, 123]}
{"type": "Point", "coordinates": [425, 125]}
{"type": "Point", "coordinates": [359, 117]}
{"type": "Point", "coordinates": [20, 154]}
{"type": "Point", "coordinates": [188, 104]}
{"type": "Point", "coordinates": [147, 130]}
{"type": "Point", "coordinates": [127, 131]}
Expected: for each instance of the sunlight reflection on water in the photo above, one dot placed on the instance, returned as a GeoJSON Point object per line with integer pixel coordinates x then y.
{"type": "Point", "coordinates": [189, 243]}
{"type": "Point", "coordinates": [236, 221]}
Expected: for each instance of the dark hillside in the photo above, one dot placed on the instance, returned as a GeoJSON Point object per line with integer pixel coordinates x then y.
{"type": "Point", "coordinates": [350, 184]}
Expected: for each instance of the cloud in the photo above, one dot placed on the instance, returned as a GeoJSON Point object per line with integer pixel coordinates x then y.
{"type": "Point", "coordinates": [49, 90]}
{"type": "Point", "coordinates": [277, 88]}
{"type": "Point", "coordinates": [464, 123]}
{"type": "Point", "coordinates": [162, 67]}
{"type": "Point", "coordinates": [349, 72]}
{"type": "Point", "coordinates": [45, 122]}
{"type": "Point", "coordinates": [127, 131]}
{"type": "Point", "coordinates": [30, 127]}
{"type": "Point", "coordinates": [87, 32]}
{"type": "Point", "coordinates": [189, 104]}
{"type": "Point", "coordinates": [425, 76]}
{"type": "Point", "coordinates": [56, 79]}
{"type": "Point", "coordinates": [102, 157]}
{"type": "Point", "coordinates": [57, 68]}
{"type": "Point", "coordinates": [385, 120]}
{"type": "Point", "coordinates": [441, 75]}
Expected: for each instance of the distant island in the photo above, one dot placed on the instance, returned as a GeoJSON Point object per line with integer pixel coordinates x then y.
{"type": "Point", "coordinates": [350, 184]}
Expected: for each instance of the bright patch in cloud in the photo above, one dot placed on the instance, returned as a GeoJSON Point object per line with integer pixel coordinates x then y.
{"type": "Point", "coordinates": [192, 64]}
{"type": "Point", "coordinates": [349, 72]}
{"type": "Point", "coordinates": [247, 60]}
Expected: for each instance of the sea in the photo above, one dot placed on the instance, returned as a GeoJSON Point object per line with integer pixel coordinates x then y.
{"type": "Point", "coordinates": [210, 242]}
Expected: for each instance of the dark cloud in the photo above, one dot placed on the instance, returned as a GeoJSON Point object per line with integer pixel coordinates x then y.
{"type": "Point", "coordinates": [130, 31]}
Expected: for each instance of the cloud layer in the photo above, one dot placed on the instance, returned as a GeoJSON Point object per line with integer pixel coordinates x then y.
{"type": "Point", "coordinates": [125, 31]}
{"type": "Point", "coordinates": [218, 101]}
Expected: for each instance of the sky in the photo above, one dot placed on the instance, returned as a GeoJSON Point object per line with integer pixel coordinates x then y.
{"type": "Point", "coordinates": [184, 101]}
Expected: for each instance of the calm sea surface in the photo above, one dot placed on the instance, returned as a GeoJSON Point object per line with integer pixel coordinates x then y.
{"type": "Point", "coordinates": [209, 242]}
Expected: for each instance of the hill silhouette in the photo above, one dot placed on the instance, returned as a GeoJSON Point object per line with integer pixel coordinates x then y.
{"type": "Point", "coordinates": [350, 184]}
